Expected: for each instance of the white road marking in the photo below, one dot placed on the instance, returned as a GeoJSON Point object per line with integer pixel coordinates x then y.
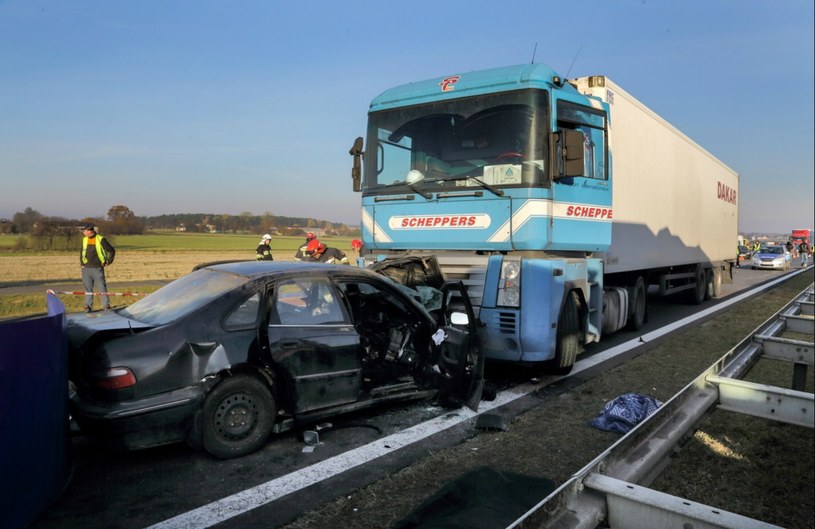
{"type": "Point", "coordinates": [246, 500]}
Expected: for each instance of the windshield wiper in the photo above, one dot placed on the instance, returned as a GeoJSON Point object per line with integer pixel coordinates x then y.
{"type": "Point", "coordinates": [492, 189]}
{"type": "Point", "coordinates": [418, 191]}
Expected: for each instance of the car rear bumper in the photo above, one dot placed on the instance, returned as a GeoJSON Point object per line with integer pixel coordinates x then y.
{"type": "Point", "coordinates": [152, 421]}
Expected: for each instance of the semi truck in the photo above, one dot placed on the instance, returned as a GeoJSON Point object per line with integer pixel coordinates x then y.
{"type": "Point", "coordinates": [800, 235]}
{"type": "Point", "coordinates": [559, 203]}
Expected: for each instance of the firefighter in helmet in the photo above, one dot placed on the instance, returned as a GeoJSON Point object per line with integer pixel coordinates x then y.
{"type": "Point", "coordinates": [301, 254]}
{"type": "Point", "coordinates": [321, 253]}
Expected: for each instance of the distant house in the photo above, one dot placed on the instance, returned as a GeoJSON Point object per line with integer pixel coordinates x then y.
{"type": "Point", "coordinates": [181, 227]}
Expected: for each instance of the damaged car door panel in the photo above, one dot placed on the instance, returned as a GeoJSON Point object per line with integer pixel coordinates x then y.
{"type": "Point", "coordinates": [224, 356]}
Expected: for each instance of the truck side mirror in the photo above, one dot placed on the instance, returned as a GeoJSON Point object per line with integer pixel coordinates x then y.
{"type": "Point", "coordinates": [568, 155]}
{"type": "Point", "coordinates": [356, 170]}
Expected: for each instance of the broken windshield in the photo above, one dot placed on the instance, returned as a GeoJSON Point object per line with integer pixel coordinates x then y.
{"type": "Point", "coordinates": [488, 141]}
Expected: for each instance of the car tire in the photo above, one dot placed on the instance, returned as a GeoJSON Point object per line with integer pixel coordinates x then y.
{"type": "Point", "coordinates": [567, 342]}
{"type": "Point", "coordinates": [238, 415]}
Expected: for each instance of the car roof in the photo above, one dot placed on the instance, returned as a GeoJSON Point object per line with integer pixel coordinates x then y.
{"type": "Point", "coordinates": [254, 269]}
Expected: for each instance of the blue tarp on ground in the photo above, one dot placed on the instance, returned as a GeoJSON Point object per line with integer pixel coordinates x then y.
{"type": "Point", "coordinates": [625, 412]}
{"type": "Point", "coordinates": [34, 440]}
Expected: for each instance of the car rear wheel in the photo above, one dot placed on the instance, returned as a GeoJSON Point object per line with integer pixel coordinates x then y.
{"type": "Point", "coordinates": [238, 416]}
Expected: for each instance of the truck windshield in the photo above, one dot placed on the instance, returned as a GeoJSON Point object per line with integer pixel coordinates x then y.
{"type": "Point", "coordinates": [497, 140]}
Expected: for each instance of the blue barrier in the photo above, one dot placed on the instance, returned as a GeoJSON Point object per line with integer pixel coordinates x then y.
{"type": "Point", "coordinates": [35, 455]}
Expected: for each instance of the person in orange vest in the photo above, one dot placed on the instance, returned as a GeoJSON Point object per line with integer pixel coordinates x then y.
{"type": "Point", "coordinates": [96, 254]}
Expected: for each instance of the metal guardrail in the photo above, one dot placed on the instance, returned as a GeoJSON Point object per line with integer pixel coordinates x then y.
{"type": "Point", "coordinates": [611, 491]}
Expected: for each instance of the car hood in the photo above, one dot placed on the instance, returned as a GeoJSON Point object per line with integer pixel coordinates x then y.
{"type": "Point", "coordinates": [82, 326]}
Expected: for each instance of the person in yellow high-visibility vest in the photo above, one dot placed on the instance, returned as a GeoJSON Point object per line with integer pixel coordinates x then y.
{"type": "Point", "coordinates": [96, 254]}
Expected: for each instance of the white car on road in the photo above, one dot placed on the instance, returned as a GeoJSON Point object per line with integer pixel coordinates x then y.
{"type": "Point", "coordinates": [772, 257]}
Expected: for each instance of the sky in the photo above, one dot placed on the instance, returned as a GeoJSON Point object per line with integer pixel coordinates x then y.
{"type": "Point", "coordinates": [238, 106]}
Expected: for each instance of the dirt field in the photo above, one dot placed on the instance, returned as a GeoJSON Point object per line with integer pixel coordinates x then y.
{"type": "Point", "coordinates": [129, 266]}
{"type": "Point", "coordinates": [753, 467]}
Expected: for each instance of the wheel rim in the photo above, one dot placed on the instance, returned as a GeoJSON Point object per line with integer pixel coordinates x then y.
{"type": "Point", "coordinates": [236, 417]}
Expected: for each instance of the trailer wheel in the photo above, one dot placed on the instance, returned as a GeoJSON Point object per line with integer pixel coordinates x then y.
{"type": "Point", "coordinates": [715, 283]}
{"type": "Point", "coordinates": [639, 309]}
{"type": "Point", "coordinates": [708, 284]}
{"type": "Point", "coordinates": [567, 339]}
{"type": "Point", "coordinates": [696, 295]}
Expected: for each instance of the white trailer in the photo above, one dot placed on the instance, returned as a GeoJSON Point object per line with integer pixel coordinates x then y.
{"type": "Point", "coordinates": [675, 204]}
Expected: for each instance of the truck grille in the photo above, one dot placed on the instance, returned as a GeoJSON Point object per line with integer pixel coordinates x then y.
{"type": "Point", "coordinates": [506, 322]}
{"type": "Point", "coordinates": [471, 270]}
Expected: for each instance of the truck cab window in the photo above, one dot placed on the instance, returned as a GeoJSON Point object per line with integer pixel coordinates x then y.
{"type": "Point", "coordinates": [501, 140]}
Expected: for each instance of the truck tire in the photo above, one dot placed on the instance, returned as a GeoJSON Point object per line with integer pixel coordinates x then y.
{"type": "Point", "coordinates": [715, 284]}
{"type": "Point", "coordinates": [708, 284]}
{"type": "Point", "coordinates": [639, 307]}
{"type": "Point", "coordinates": [696, 295]}
{"type": "Point", "coordinates": [568, 338]}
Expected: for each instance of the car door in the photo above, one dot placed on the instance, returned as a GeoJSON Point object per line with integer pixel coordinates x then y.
{"type": "Point", "coordinates": [313, 343]}
{"type": "Point", "coordinates": [461, 351]}
{"type": "Point", "coordinates": [400, 338]}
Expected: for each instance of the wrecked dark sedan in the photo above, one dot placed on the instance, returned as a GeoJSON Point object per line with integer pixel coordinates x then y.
{"type": "Point", "coordinates": [224, 356]}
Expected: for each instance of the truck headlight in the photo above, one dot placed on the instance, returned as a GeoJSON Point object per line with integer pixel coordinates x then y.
{"type": "Point", "coordinates": [509, 283]}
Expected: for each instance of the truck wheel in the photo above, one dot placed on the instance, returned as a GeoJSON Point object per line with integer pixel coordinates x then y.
{"type": "Point", "coordinates": [708, 284]}
{"type": "Point", "coordinates": [696, 295]}
{"type": "Point", "coordinates": [237, 418]}
{"type": "Point", "coordinates": [567, 339]}
{"type": "Point", "coordinates": [716, 282]}
{"type": "Point", "coordinates": [639, 309]}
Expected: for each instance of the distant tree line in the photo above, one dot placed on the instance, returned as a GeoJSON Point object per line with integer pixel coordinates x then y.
{"type": "Point", "coordinates": [246, 222]}
{"type": "Point", "coordinates": [59, 233]}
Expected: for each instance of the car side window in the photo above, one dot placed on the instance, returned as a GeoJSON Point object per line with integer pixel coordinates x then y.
{"type": "Point", "coordinates": [245, 314]}
{"type": "Point", "coordinates": [306, 301]}
{"type": "Point", "coordinates": [368, 302]}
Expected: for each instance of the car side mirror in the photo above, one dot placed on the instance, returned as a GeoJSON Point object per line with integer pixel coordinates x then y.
{"type": "Point", "coordinates": [459, 318]}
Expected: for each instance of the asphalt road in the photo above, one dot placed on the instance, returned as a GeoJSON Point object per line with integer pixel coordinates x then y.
{"type": "Point", "coordinates": [135, 490]}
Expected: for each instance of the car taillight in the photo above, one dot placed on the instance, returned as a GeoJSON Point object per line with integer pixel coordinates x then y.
{"type": "Point", "coordinates": [114, 378]}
